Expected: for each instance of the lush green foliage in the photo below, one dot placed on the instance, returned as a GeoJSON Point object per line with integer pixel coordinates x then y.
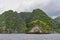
{"type": "Point", "coordinates": [57, 20]}
{"type": "Point", "coordinates": [13, 22]}
{"type": "Point", "coordinates": [43, 26]}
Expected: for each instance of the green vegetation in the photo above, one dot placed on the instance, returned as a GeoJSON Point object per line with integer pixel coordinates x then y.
{"type": "Point", "coordinates": [13, 22]}
{"type": "Point", "coordinates": [57, 20]}
{"type": "Point", "coordinates": [42, 26]}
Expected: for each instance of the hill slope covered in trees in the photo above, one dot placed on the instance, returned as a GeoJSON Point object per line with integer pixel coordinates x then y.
{"type": "Point", "coordinates": [57, 20]}
{"type": "Point", "coordinates": [13, 22]}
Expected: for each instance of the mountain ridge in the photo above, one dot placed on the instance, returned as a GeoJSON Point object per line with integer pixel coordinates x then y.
{"type": "Point", "coordinates": [13, 22]}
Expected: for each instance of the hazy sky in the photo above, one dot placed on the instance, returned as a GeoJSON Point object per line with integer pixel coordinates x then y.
{"type": "Point", "coordinates": [51, 7]}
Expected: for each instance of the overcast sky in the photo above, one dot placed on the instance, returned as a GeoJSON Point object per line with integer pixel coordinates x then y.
{"type": "Point", "coordinates": [51, 7]}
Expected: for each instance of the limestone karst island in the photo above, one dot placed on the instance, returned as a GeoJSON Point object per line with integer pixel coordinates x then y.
{"type": "Point", "coordinates": [35, 22]}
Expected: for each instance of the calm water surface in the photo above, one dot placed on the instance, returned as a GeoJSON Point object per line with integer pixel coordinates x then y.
{"type": "Point", "coordinates": [29, 36]}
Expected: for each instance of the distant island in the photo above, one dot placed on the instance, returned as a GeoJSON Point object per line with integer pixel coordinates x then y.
{"type": "Point", "coordinates": [35, 22]}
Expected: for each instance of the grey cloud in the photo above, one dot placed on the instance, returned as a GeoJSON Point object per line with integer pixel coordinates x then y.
{"type": "Point", "coordinates": [51, 7]}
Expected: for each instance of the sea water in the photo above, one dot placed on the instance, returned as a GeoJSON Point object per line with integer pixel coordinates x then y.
{"type": "Point", "coordinates": [29, 36]}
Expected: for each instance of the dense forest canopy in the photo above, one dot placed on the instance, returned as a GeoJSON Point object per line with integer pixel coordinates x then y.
{"type": "Point", "coordinates": [13, 22]}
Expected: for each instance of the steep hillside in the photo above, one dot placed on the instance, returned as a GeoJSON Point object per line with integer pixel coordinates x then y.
{"type": "Point", "coordinates": [57, 20]}
{"type": "Point", "coordinates": [13, 22]}
{"type": "Point", "coordinates": [26, 16]}
{"type": "Point", "coordinates": [40, 15]}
